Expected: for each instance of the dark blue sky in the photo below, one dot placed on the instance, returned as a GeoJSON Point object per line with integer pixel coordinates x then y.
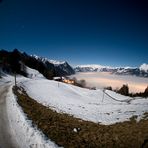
{"type": "Point", "coordinates": [107, 32]}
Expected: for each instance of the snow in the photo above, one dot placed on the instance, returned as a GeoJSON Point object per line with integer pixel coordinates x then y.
{"type": "Point", "coordinates": [33, 74]}
{"type": "Point", "coordinates": [55, 62]}
{"type": "Point", "coordinates": [84, 103]}
{"type": "Point", "coordinates": [75, 130]}
{"type": "Point", "coordinates": [99, 67]}
{"type": "Point", "coordinates": [144, 67]}
{"type": "Point", "coordinates": [22, 131]}
{"type": "Point", "coordinates": [94, 67]}
{"type": "Point", "coordinates": [89, 105]}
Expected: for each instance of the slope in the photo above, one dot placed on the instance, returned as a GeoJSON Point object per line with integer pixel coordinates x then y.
{"type": "Point", "coordinates": [91, 105]}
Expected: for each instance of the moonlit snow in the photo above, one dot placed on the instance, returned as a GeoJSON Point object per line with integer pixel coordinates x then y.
{"type": "Point", "coordinates": [89, 105]}
{"type": "Point", "coordinates": [84, 103]}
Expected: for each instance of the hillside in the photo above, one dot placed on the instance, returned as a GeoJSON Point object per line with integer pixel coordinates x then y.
{"type": "Point", "coordinates": [90, 105]}
{"type": "Point", "coordinates": [62, 68]}
{"type": "Point", "coordinates": [16, 61]}
{"type": "Point", "coordinates": [67, 114]}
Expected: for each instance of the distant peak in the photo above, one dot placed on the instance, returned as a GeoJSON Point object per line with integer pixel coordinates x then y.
{"type": "Point", "coordinates": [93, 66]}
{"type": "Point", "coordinates": [43, 59]}
{"type": "Point", "coordinates": [57, 62]}
{"type": "Point", "coordinates": [144, 67]}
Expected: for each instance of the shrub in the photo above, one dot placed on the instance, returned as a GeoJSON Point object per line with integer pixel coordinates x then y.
{"type": "Point", "coordinates": [124, 90]}
{"type": "Point", "coordinates": [146, 92]}
{"type": "Point", "coordinates": [108, 88]}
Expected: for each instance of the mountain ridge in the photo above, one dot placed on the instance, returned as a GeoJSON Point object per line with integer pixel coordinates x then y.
{"type": "Point", "coordinates": [138, 71]}
{"type": "Point", "coordinates": [15, 62]}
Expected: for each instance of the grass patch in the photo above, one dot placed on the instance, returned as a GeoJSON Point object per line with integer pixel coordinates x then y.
{"type": "Point", "coordinates": [71, 132]}
{"type": "Point", "coordinates": [145, 115]}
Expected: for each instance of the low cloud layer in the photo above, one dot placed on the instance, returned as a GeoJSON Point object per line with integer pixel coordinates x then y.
{"type": "Point", "coordinates": [104, 79]}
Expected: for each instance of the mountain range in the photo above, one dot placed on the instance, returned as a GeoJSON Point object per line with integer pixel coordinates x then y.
{"type": "Point", "coordinates": [16, 61]}
{"type": "Point", "coordinates": [137, 71]}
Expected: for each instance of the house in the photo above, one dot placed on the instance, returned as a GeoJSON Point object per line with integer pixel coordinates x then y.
{"type": "Point", "coordinates": [64, 79]}
{"type": "Point", "coordinates": [68, 81]}
{"type": "Point", "coordinates": [57, 78]}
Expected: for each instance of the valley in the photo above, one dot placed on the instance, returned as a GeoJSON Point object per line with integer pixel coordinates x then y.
{"type": "Point", "coordinates": [105, 79]}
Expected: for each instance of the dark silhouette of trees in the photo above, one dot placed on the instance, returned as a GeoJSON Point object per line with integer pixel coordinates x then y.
{"type": "Point", "coordinates": [108, 88]}
{"type": "Point", "coordinates": [124, 90]}
{"type": "Point", "coordinates": [146, 92]}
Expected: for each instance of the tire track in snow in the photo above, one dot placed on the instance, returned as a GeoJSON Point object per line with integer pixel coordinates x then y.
{"type": "Point", "coordinates": [6, 139]}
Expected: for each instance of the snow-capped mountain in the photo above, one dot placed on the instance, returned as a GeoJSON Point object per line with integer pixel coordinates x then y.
{"type": "Point", "coordinates": [141, 71]}
{"type": "Point", "coordinates": [43, 59]}
{"type": "Point", "coordinates": [93, 68]}
{"type": "Point", "coordinates": [144, 67]}
{"type": "Point", "coordinates": [61, 67]}
{"type": "Point", "coordinates": [90, 68]}
{"type": "Point", "coordinates": [17, 61]}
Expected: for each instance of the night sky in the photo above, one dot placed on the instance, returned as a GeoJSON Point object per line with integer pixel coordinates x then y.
{"type": "Point", "coordinates": [106, 32]}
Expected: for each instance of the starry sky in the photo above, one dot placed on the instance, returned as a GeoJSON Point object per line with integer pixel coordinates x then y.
{"type": "Point", "coordinates": [106, 32]}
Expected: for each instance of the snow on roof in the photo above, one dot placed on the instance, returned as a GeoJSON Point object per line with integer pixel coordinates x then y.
{"type": "Point", "coordinates": [56, 78]}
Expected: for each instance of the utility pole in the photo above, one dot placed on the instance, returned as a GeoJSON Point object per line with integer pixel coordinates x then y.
{"type": "Point", "coordinates": [15, 78]}
{"type": "Point", "coordinates": [103, 95]}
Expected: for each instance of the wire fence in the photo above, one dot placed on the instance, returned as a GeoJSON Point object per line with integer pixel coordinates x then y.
{"type": "Point", "coordinates": [104, 92]}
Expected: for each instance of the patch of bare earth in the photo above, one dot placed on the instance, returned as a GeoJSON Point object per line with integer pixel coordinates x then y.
{"type": "Point", "coordinates": [71, 132]}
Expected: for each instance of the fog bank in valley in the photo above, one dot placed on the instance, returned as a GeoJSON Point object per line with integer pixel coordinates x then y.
{"type": "Point", "coordinates": [104, 79]}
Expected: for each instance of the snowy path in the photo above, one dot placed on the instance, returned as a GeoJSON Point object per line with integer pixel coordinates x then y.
{"type": "Point", "coordinates": [6, 140]}
{"type": "Point", "coordinates": [16, 130]}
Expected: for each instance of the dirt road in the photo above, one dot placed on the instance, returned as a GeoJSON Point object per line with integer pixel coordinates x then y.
{"type": "Point", "coordinates": [6, 139]}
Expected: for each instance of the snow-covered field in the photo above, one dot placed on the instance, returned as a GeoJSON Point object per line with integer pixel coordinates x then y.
{"type": "Point", "coordinates": [105, 79]}
{"type": "Point", "coordinates": [91, 105]}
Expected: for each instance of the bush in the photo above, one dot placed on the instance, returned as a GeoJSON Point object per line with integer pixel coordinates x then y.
{"type": "Point", "coordinates": [108, 88]}
{"type": "Point", "coordinates": [124, 90]}
{"type": "Point", "coordinates": [146, 92]}
{"type": "Point", "coordinates": [140, 94]}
